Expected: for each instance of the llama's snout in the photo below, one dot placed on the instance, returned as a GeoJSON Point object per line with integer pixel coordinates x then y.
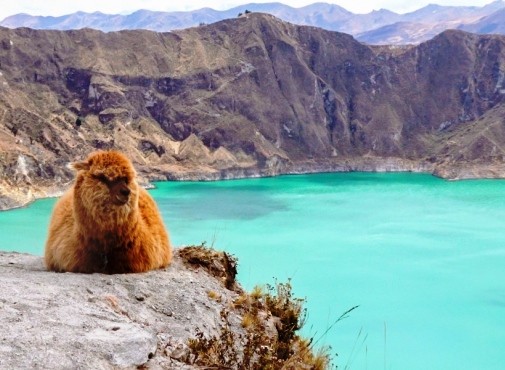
{"type": "Point", "coordinates": [125, 192]}
{"type": "Point", "coordinates": [120, 192]}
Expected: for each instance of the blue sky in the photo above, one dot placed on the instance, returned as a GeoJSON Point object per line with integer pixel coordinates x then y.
{"type": "Point", "coordinates": [62, 7]}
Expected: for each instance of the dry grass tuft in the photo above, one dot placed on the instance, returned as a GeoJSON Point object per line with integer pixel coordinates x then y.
{"type": "Point", "coordinates": [217, 263]}
{"type": "Point", "coordinates": [243, 301]}
{"type": "Point", "coordinates": [213, 295]}
{"type": "Point", "coordinates": [248, 320]}
{"type": "Point", "coordinates": [257, 292]}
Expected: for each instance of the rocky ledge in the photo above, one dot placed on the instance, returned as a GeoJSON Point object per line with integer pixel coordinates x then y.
{"type": "Point", "coordinates": [70, 321]}
{"type": "Point", "coordinates": [188, 315]}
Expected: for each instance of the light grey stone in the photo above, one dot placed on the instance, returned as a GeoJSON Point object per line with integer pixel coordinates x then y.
{"type": "Point", "coordinates": [93, 321]}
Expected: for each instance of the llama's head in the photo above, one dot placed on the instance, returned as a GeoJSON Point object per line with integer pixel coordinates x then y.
{"type": "Point", "coordinates": [105, 191]}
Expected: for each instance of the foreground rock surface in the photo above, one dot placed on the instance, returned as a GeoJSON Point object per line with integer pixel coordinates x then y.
{"type": "Point", "coordinates": [80, 321]}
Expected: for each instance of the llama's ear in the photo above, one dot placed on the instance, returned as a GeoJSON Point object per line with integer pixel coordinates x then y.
{"type": "Point", "coordinates": [80, 166]}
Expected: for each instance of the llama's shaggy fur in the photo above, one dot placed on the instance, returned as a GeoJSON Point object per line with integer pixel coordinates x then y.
{"type": "Point", "coordinates": [106, 223]}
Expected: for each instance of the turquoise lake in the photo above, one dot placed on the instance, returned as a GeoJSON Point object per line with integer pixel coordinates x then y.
{"type": "Point", "coordinates": [422, 257]}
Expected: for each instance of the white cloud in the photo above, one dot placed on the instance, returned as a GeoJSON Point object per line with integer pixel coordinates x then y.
{"type": "Point", "coordinates": [62, 7]}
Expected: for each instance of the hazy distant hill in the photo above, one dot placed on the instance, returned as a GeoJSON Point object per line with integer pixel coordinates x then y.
{"type": "Point", "coordinates": [493, 23]}
{"type": "Point", "coordinates": [425, 23]}
{"type": "Point", "coordinates": [377, 27]}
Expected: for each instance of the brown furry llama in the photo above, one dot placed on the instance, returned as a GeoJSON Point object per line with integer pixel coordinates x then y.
{"type": "Point", "coordinates": [106, 222]}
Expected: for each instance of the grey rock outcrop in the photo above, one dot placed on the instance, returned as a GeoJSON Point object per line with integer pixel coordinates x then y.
{"type": "Point", "coordinates": [80, 321]}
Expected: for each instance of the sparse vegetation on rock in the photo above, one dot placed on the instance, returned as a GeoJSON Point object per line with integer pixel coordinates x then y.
{"type": "Point", "coordinates": [271, 317]}
{"type": "Point", "coordinates": [271, 320]}
{"type": "Point", "coordinates": [217, 263]}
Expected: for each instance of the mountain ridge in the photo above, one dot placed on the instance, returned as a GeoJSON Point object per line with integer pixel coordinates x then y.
{"type": "Point", "coordinates": [366, 27]}
{"type": "Point", "coordinates": [249, 96]}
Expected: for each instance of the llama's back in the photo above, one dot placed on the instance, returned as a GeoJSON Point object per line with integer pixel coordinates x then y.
{"type": "Point", "coordinates": [161, 251]}
{"type": "Point", "coordinates": [57, 250]}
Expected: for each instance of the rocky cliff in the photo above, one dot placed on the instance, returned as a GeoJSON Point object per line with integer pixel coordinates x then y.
{"type": "Point", "coordinates": [251, 96]}
{"type": "Point", "coordinates": [190, 315]}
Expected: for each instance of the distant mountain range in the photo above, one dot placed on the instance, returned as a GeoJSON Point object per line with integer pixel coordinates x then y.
{"type": "Point", "coordinates": [377, 27]}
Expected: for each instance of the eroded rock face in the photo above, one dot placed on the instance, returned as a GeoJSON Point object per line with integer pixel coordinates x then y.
{"type": "Point", "coordinates": [252, 96]}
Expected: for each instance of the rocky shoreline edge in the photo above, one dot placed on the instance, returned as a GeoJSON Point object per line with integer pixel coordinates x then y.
{"type": "Point", "coordinates": [19, 196]}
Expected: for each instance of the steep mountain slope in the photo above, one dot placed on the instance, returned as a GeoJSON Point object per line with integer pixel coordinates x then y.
{"type": "Point", "coordinates": [245, 97]}
{"type": "Point", "coordinates": [378, 27]}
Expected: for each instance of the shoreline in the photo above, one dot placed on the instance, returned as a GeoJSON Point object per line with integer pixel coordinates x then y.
{"type": "Point", "coordinates": [23, 197]}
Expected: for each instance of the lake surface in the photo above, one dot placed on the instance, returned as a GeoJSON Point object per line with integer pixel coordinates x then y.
{"type": "Point", "coordinates": [423, 258]}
